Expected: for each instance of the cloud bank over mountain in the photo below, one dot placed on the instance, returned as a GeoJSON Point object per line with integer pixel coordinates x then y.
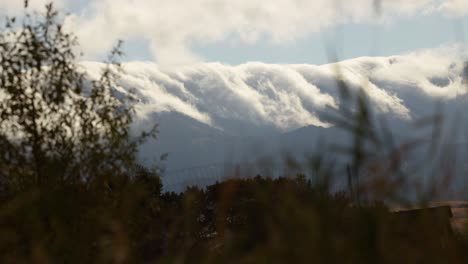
{"type": "Point", "coordinates": [287, 97]}
{"type": "Point", "coordinates": [213, 113]}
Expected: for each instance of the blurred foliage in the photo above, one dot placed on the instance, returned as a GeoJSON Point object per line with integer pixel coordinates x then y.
{"type": "Point", "coordinates": [71, 190]}
{"type": "Point", "coordinates": [262, 220]}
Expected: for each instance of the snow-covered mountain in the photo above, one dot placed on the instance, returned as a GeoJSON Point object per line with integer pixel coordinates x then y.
{"type": "Point", "coordinates": [213, 113]}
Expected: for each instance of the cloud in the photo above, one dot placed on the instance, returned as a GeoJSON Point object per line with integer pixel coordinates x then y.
{"type": "Point", "coordinates": [172, 27]}
{"type": "Point", "coordinates": [455, 7]}
{"type": "Point", "coordinates": [16, 7]}
{"type": "Point", "coordinates": [287, 97]}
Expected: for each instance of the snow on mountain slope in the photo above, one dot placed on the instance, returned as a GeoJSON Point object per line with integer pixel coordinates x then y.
{"type": "Point", "coordinates": [211, 112]}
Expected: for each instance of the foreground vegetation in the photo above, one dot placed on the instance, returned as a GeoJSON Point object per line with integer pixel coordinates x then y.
{"type": "Point", "coordinates": [254, 220]}
{"type": "Point", "coordinates": [72, 191]}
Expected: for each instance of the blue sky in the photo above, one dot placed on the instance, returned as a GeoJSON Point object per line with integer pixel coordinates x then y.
{"type": "Point", "coordinates": [348, 41]}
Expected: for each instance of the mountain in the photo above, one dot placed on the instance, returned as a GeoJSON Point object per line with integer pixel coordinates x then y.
{"type": "Point", "coordinates": [212, 113]}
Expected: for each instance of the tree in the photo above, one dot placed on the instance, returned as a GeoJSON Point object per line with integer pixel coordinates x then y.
{"type": "Point", "coordinates": [57, 125]}
{"type": "Point", "coordinates": [71, 189]}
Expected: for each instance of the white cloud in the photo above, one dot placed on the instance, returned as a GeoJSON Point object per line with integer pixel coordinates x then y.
{"type": "Point", "coordinates": [16, 7]}
{"type": "Point", "coordinates": [455, 7]}
{"type": "Point", "coordinates": [172, 27]}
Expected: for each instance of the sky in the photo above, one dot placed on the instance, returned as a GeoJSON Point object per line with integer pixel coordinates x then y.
{"type": "Point", "coordinates": [272, 31]}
